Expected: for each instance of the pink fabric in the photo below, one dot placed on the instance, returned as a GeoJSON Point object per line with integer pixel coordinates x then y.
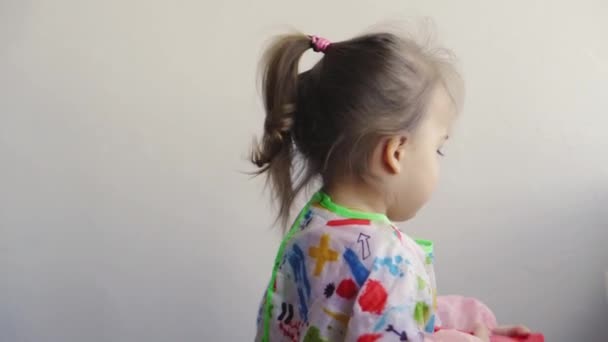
{"type": "Point", "coordinates": [458, 316]}
{"type": "Point", "coordinates": [450, 335]}
{"type": "Point", "coordinates": [462, 313]}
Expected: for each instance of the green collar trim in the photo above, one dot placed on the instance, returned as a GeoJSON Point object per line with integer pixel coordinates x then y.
{"type": "Point", "coordinates": [324, 200]}
{"type": "Point", "coordinates": [427, 245]}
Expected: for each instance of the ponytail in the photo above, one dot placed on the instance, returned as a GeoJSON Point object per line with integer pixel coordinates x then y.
{"type": "Point", "coordinates": [274, 154]}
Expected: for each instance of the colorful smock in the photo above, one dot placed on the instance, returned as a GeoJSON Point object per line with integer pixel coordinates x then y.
{"type": "Point", "coordinates": [344, 275]}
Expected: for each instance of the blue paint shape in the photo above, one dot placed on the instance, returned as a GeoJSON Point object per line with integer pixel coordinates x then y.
{"type": "Point", "coordinates": [430, 326]}
{"type": "Point", "coordinates": [382, 321]}
{"type": "Point", "coordinates": [261, 310]}
{"type": "Point", "coordinates": [392, 264]}
{"type": "Point", "coordinates": [298, 265]}
{"type": "Point", "coordinates": [302, 307]}
{"type": "Point", "coordinates": [360, 273]}
{"type": "Point", "coordinates": [306, 219]}
{"type": "Point", "coordinates": [302, 260]}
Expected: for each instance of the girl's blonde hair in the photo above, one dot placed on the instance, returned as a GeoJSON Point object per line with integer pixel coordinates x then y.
{"type": "Point", "coordinates": [325, 122]}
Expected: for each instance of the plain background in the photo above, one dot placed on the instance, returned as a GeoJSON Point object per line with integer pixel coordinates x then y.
{"type": "Point", "coordinates": [124, 126]}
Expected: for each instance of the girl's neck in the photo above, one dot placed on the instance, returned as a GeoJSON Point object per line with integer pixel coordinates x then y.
{"type": "Point", "coordinates": [357, 196]}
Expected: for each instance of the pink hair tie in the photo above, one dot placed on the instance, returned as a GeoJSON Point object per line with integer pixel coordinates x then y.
{"type": "Point", "coordinates": [319, 44]}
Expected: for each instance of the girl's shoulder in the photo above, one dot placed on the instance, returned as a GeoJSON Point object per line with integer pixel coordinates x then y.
{"type": "Point", "coordinates": [369, 242]}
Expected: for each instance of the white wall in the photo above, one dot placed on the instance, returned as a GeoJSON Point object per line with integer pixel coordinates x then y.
{"type": "Point", "coordinates": [123, 127]}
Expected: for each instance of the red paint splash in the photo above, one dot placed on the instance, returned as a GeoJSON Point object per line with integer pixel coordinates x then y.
{"type": "Point", "coordinates": [348, 222]}
{"type": "Point", "coordinates": [292, 330]}
{"type": "Point", "coordinates": [373, 298]}
{"type": "Point", "coordinates": [369, 337]}
{"type": "Point", "coordinates": [347, 289]}
{"type": "Point", "coordinates": [397, 232]}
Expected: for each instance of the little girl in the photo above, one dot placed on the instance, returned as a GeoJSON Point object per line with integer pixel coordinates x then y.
{"type": "Point", "coordinates": [368, 121]}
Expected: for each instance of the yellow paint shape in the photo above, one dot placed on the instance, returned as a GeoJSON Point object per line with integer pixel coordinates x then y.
{"type": "Point", "coordinates": [323, 254]}
{"type": "Point", "coordinates": [338, 316]}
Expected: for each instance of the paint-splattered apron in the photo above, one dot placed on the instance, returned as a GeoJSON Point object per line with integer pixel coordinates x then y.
{"type": "Point", "coordinates": [344, 275]}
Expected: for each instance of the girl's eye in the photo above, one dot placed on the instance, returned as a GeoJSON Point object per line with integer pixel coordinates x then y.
{"type": "Point", "coordinates": [439, 152]}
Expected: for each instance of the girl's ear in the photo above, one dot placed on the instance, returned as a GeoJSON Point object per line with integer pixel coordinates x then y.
{"type": "Point", "coordinates": [393, 153]}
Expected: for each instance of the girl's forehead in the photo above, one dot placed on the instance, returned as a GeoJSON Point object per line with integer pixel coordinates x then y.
{"type": "Point", "coordinates": [442, 104]}
{"type": "Point", "coordinates": [441, 111]}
